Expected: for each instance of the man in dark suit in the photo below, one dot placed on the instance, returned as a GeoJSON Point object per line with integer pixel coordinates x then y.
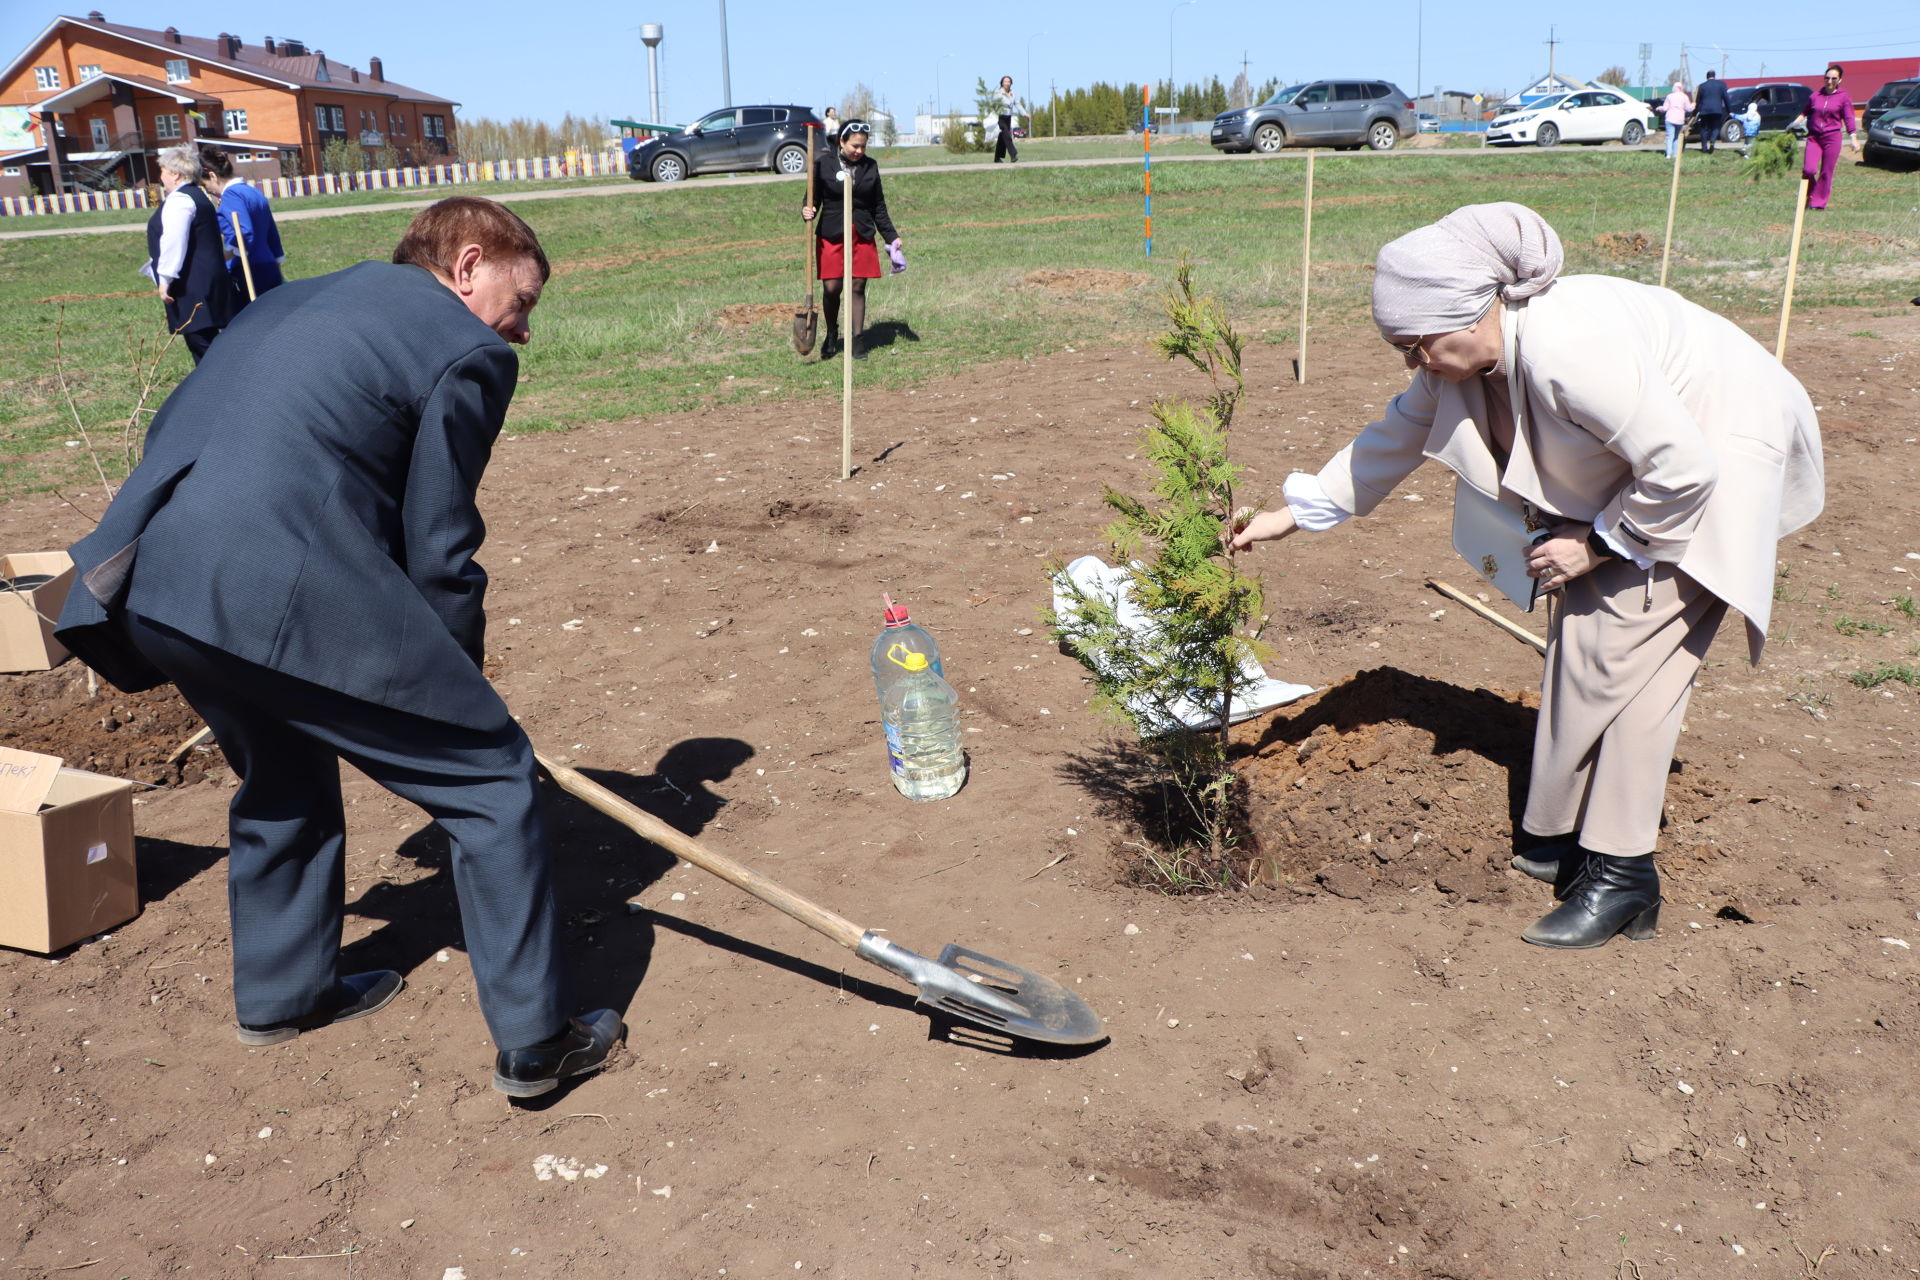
{"type": "Point", "coordinates": [295, 553]}
{"type": "Point", "coordinates": [1710, 107]}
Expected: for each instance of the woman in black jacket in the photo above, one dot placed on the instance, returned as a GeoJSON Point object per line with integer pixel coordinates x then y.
{"type": "Point", "coordinates": [869, 215]}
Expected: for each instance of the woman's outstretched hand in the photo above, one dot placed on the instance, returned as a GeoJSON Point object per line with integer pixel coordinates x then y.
{"type": "Point", "coordinates": [1264, 526]}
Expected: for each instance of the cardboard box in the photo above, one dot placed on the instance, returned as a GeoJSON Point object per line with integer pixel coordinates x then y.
{"type": "Point", "coordinates": [66, 852]}
{"type": "Point", "coordinates": [27, 616]}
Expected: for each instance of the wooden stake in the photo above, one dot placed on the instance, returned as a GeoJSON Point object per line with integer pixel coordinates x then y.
{"type": "Point", "coordinates": [846, 310]}
{"type": "Point", "coordinates": [1512, 629]}
{"type": "Point", "coordinates": [179, 752]}
{"type": "Point", "coordinates": [1306, 266]}
{"type": "Point", "coordinates": [246, 268]}
{"type": "Point", "coordinates": [1673, 198]}
{"type": "Point", "coordinates": [1800, 192]}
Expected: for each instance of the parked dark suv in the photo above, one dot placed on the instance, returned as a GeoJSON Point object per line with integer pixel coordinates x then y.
{"type": "Point", "coordinates": [733, 140]}
{"type": "Point", "coordinates": [1894, 93]}
{"type": "Point", "coordinates": [1780, 106]}
{"type": "Point", "coordinates": [1320, 113]}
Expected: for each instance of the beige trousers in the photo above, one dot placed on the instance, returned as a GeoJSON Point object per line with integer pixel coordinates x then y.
{"type": "Point", "coordinates": [1622, 652]}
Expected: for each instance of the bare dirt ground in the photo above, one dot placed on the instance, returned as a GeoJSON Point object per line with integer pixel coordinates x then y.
{"type": "Point", "coordinates": [1360, 1071]}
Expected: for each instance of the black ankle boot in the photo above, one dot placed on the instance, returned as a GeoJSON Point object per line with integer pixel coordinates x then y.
{"type": "Point", "coordinates": [1558, 862]}
{"type": "Point", "coordinates": [830, 344]}
{"type": "Point", "coordinates": [1612, 895]}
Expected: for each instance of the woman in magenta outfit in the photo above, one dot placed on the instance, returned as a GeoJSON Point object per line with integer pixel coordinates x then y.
{"type": "Point", "coordinates": [1828, 112]}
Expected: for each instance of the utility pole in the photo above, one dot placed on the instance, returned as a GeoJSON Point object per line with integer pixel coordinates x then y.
{"type": "Point", "coordinates": [726, 75]}
{"type": "Point", "coordinates": [1053, 109]}
{"type": "Point", "coordinates": [1551, 42]}
{"type": "Point", "coordinates": [1646, 56]}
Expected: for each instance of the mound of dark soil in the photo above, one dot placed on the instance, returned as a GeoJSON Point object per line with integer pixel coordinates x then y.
{"type": "Point", "coordinates": [103, 731]}
{"type": "Point", "coordinates": [1389, 781]}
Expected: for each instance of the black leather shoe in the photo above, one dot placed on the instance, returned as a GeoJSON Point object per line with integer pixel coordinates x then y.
{"type": "Point", "coordinates": [1611, 896]}
{"type": "Point", "coordinates": [859, 346]}
{"type": "Point", "coordinates": [355, 997]}
{"type": "Point", "coordinates": [1558, 862]}
{"type": "Point", "coordinates": [830, 345]}
{"type": "Point", "coordinates": [581, 1047]}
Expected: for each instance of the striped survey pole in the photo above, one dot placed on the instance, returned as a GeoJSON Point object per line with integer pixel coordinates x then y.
{"type": "Point", "coordinates": [1146, 137]}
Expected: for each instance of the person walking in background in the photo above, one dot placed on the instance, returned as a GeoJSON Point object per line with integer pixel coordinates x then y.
{"type": "Point", "coordinates": [1710, 108]}
{"type": "Point", "coordinates": [869, 215]}
{"type": "Point", "coordinates": [1667, 454]}
{"type": "Point", "coordinates": [295, 552]}
{"type": "Point", "coordinates": [1829, 112]}
{"type": "Point", "coordinates": [1675, 111]}
{"type": "Point", "coordinates": [830, 122]}
{"type": "Point", "coordinates": [1010, 108]}
{"type": "Point", "coordinates": [184, 258]}
{"type": "Point", "coordinates": [243, 208]}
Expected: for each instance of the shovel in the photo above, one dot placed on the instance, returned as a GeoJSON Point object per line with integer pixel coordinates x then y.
{"type": "Point", "coordinates": [961, 984]}
{"type": "Point", "coordinates": [805, 322]}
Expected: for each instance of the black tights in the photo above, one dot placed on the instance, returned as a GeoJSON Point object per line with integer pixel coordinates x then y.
{"type": "Point", "coordinates": [831, 291]}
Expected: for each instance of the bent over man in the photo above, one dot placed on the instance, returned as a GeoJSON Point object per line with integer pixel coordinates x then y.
{"type": "Point", "coordinates": [300, 564]}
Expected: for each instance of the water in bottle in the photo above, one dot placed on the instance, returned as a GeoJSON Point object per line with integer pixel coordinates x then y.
{"type": "Point", "coordinates": [923, 729]}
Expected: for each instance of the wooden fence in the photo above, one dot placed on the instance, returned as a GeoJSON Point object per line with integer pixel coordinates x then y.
{"type": "Point", "coordinates": [573, 164]}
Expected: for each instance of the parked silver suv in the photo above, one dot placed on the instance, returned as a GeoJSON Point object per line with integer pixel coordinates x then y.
{"type": "Point", "coordinates": [1344, 114]}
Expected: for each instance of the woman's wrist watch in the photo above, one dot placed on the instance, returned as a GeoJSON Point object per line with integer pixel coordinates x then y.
{"type": "Point", "coordinates": [1598, 545]}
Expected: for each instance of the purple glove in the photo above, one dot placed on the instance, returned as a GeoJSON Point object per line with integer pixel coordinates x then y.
{"type": "Point", "coordinates": [899, 257]}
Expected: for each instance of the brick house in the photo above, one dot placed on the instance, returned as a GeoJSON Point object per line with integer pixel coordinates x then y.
{"type": "Point", "coordinates": [110, 97]}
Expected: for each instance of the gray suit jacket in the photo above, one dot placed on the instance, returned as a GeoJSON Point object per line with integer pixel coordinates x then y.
{"type": "Point", "coordinates": [306, 498]}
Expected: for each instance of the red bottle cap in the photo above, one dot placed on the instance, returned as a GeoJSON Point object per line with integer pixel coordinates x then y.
{"type": "Point", "coordinates": [896, 613]}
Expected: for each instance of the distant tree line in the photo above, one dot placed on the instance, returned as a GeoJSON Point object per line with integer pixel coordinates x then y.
{"type": "Point", "coordinates": [1111, 108]}
{"type": "Point", "coordinates": [484, 138]}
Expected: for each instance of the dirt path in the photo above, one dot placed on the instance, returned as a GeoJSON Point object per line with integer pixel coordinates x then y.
{"type": "Point", "coordinates": [1362, 1072]}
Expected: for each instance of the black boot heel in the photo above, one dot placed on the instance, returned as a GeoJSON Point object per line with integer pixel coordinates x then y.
{"type": "Point", "coordinates": [1646, 925]}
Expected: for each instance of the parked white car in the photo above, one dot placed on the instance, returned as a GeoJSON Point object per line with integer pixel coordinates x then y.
{"type": "Point", "coordinates": [1591, 116]}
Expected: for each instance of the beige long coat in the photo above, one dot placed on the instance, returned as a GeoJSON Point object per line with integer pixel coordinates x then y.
{"type": "Point", "coordinates": [1683, 431]}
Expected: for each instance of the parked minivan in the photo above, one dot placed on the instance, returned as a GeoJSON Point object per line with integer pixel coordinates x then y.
{"type": "Point", "coordinates": [1344, 114]}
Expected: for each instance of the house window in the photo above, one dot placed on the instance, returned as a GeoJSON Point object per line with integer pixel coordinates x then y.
{"type": "Point", "coordinates": [46, 77]}
{"type": "Point", "coordinates": [178, 72]}
{"type": "Point", "coordinates": [435, 126]}
{"type": "Point", "coordinates": [329, 118]}
{"type": "Point", "coordinates": [236, 122]}
{"type": "Point", "coordinates": [89, 72]}
{"type": "Point", "coordinates": [166, 126]}
{"type": "Point", "coordinates": [99, 134]}
{"type": "Point", "coordinates": [11, 171]}
{"type": "Point", "coordinates": [397, 124]}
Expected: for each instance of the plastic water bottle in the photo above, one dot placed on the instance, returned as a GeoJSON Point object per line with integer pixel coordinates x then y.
{"type": "Point", "coordinates": [923, 730]}
{"type": "Point", "coordinates": [900, 629]}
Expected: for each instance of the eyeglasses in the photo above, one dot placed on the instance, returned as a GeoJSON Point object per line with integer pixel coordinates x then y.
{"type": "Point", "coordinates": [1409, 349]}
{"type": "Point", "coordinates": [855, 126]}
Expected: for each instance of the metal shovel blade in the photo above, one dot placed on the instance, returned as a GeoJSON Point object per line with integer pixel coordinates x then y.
{"type": "Point", "coordinates": [990, 993]}
{"type": "Point", "coordinates": [804, 325]}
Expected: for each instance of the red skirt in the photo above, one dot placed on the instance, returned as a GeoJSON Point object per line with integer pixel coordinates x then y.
{"type": "Point", "coordinates": [866, 259]}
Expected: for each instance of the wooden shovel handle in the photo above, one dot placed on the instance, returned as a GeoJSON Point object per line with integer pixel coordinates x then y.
{"type": "Point", "coordinates": [816, 917]}
{"type": "Point", "coordinates": [1513, 629]}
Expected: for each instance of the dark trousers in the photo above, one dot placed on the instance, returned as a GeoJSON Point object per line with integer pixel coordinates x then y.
{"type": "Point", "coordinates": [1004, 147]}
{"type": "Point", "coordinates": [198, 340]}
{"type": "Point", "coordinates": [1710, 126]}
{"type": "Point", "coordinates": [286, 864]}
{"type": "Point", "coordinates": [266, 275]}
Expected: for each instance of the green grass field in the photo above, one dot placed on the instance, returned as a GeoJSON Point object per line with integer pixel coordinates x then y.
{"type": "Point", "coordinates": [632, 322]}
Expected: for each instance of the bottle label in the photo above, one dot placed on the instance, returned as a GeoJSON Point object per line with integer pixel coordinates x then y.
{"type": "Point", "coordinates": [895, 754]}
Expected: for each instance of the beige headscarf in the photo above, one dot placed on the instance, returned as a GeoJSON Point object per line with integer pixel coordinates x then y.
{"type": "Point", "coordinates": [1442, 278]}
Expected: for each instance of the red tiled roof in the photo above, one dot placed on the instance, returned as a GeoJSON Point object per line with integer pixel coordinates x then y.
{"type": "Point", "coordinates": [302, 71]}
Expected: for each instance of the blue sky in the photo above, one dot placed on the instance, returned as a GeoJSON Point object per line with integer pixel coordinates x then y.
{"type": "Point", "coordinates": [506, 59]}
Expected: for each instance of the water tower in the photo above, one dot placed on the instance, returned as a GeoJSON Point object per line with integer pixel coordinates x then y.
{"type": "Point", "coordinates": [650, 35]}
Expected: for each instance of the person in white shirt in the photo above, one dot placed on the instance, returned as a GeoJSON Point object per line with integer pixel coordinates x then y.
{"type": "Point", "coordinates": [185, 257]}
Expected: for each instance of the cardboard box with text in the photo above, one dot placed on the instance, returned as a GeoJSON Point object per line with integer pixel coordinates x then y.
{"type": "Point", "coordinates": [33, 589]}
{"type": "Point", "coordinates": [66, 852]}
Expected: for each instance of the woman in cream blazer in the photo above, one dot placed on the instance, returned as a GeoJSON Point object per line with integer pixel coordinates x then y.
{"type": "Point", "coordinates": [1667, 452]}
